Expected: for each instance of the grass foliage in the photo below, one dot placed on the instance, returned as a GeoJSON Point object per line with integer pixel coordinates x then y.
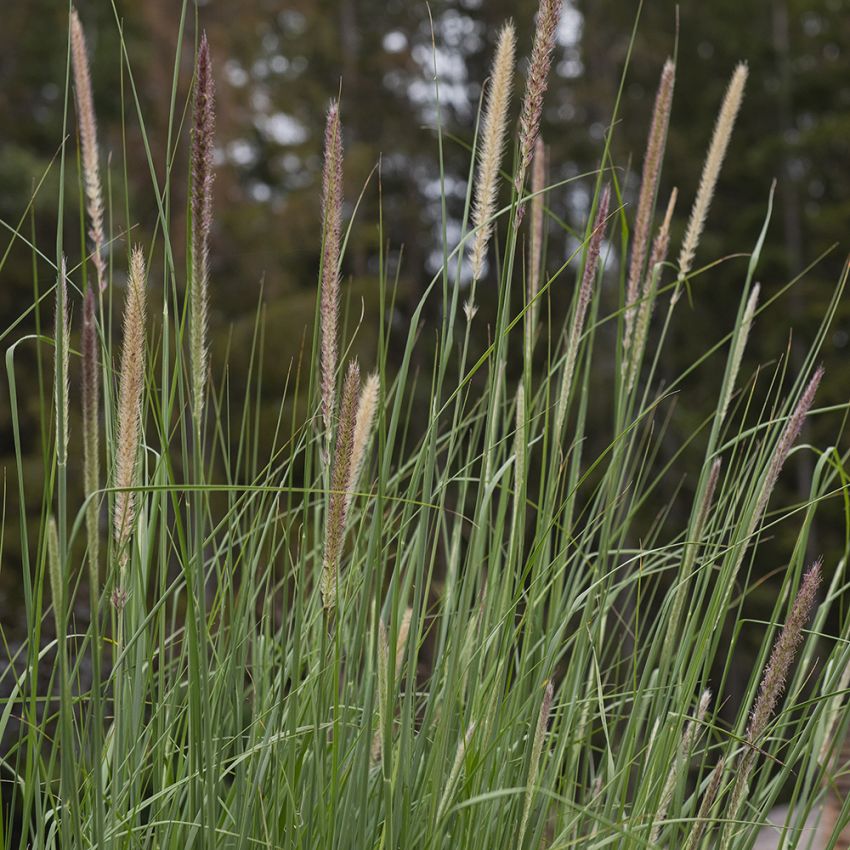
{"type": "Point", "coordinates": [485, 630]}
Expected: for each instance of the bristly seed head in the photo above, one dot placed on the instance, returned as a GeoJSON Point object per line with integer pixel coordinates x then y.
{"type": "Point", "coordinates": [129, 425]}
{"type": "Point", "coordinates": [338, 506]}
{"type": "Point", "coordinates": [548, 17]}
{"type": "Point", "coordinates": [332, 233]}
{"type": "Point", "coordinates": [62, 341]}
{"type": "Point", "coordinates": [648, 190]}
{"type": "Point", "coordinates": [203, 139]}
{"type": "Point", "coordinates": [492, 144]}
{"type": "Point", "coordinates": [711, 170]}
{"type": "Point", "coordinates": [364, 420]}
{"type": "Point", "coordinates": [88, 144]}
{"type": "Point", "coordinates": [91, 442]}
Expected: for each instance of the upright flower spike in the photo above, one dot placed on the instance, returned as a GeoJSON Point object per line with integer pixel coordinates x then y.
{"type": "Point", "coordinates": [648, 189]}
{"type": "Point", "coordinates": [711, 171]}
{"type": "Point", "coordinates": [536, 752]}
{"type": "Point", "coordinates": [364, 420]}
{"type": "Point", "coordinates": [338, 506]}
{"type": "Point", "coordinates": [584, 293]}
{"type": "Point", "coordinates": [61, 363]}
{"type": "Point", "coordinates": [632, 361]}
{"type": "Point", "coordinates": [708, 798]}
{"type": "Point", "coordinates": [548, 17]}
{"type": "Point", "coordinates": [129, 425]}
{"type": "Point", "coordinates": [88, 144]}
{"type": "Point", "coordinates": [786, 441]}
{"type": "Point", "coordinates": [332, 233]}
{"type": "Point", "coordinates": [492, 146]}
{"type": "Point", "coordinates": [738, 352]}
{"type": "Point", "coordinates": [203, 138]}
{"type": "Point", "coordinates": [678, 767]}
{"type": "Point", "coordinates": [535, 251]}
{"type": "Point", "coordinates": [91, 442]}
{"type": "Point", "coordinates": [771, 688]}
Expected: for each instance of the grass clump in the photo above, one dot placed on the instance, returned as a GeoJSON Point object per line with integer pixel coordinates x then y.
{"type": "Point", "coordinates": [471, 626]}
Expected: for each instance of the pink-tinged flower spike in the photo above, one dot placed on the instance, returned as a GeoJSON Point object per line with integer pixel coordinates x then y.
{"type": "Point", "coordinates": [584, 293]}
{"type": "Point", "coordinates": [771, 688]}
{"type": "Point", "coordinates": [548, 17]}
{"type": "Point", "coordinates": [786, 441]}
{"type": "Point", "coordinates": [708, 799]}
{"type": "Point", "coordinates": [202, 182]}
{"type": "Point", "coordinates": [648, 190]}
{"type": "Point", "coordinates": [631, 363]}
{"type": "Point", "coordinates": [338, 506]}
{"type": "Point", "coordinates": [535, 251]}
{"type": "Point", "coordinates": [88, 143]}
{"type": "Point", "coordinates": [332, 230]}
{"type": "Point", "coordinates": [91, 441]}
{"type": "Point", "coordinates": [62, 342]}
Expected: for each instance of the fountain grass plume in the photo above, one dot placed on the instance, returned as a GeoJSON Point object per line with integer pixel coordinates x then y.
{"type": "Point", "coordinates": [632, 359]}
{"type": "Point", "coordinates": [679, 766]}
{"type": "Point", "coordinates": [708, 798]}
{"type": "Point", "coordinates": [331, 242]}
{"type": "Point", "coordinates": [62, 341]}
{"type": "Point", "coordinates": [383, 674]}
{"type": "Point", "coordinates": [548, 17]}
{"type": "Point", "coordinates": [648, 190]}
{"type": "Point", "coordinates": [88, 144]}
{"type": "Point", "coordinates": [771, 688]}
{"type": "Point", "coordinates": [536, 753]}
{"type": "Point", "coordinates": [203, 138]}
{"type": "Point", "coordinates": [786, 442]}
{"type": "Point", "coordinates": [494, 124]}
{"type": "Point", "coordinates": [738, 352]}
{"type": "Point", "coordinates": [338, 505]}
{"type": "Point", "coordinates": [364, 421]}
{"type": "Point", "coordinates": [129, 424]}
{"type": "Point", "coordinates": [711, 171]}
{"type": "Point", "coordinates": [91, 435]}
{"type": "Point", "coordinates": [585, 288]}
{"type": "Point", "coordinates": [535, 250]}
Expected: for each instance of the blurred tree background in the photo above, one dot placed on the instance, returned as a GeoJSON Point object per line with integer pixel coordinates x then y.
{"type": "Point", "coordinates": [279, 62]}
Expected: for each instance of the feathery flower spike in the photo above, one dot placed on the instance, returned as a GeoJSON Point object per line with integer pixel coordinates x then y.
{"type": "Point", "coordinates": [535, 251]}
{"type": "Point", "coordinates": [62, 341]}
{"type": "Point", "coordinates": [202, 181]}
{"type": "Point", "coordinates": [91, 442]}
{"type": "Point", "coordinates": [679, 763]}
{"type": "Point", "coordinates": [786, 441]}
{"type": "Point", "coordinates": [536, 752]}
{"type": "Point", "coordinates": [649, 189]}
{"type": "Point", "coordinates": [492, 146]}
{"type": "Point", "coordinates": [332, 230]}
{"type": "Point", "coordinates": [772, 685]}
{"type": "Point", "coordinates": [548, 17]}
{"type": "Point", "coordinates": [657, 256]}
{"type": "Point", "coordinates": [129, 426]}
{"type": "Point", "coordinates": [738, 353]}
{"type": "Point", "coordinates": [364, 421]}
{"type": "Point", "coordinates": [88, 143]}
{"type": "Point", "coordinates": [590, 264]}
{"type": "Point", "coordinates": [338, 507]}
{"type": "Point", "coordinates": [711, 171]}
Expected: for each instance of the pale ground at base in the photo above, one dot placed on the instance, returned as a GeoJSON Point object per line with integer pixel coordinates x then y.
{"type": "Point", "coordinates": [814, 837]}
